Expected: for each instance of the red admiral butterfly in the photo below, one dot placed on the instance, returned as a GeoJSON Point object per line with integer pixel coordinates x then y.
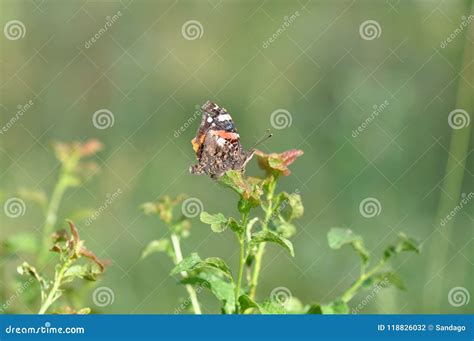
{"type": "Point", "coordinates": [217, 144]}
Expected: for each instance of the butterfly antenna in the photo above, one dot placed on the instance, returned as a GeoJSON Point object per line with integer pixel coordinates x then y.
{"type": "Point", "coordinates": [268, 134]}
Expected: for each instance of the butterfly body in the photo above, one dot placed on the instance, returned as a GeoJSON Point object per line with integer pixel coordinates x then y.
{"type": "Point", "coordinates": [217, 143]}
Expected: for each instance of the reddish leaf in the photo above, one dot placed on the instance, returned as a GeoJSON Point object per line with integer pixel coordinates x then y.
{"type": "Point", "coordinates": [277, 163]}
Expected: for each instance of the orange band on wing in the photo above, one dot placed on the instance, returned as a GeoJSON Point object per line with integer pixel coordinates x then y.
{"type": "Point", "coordinates": [197, 142]}
{"type": "Point", "coordinates": [226, 135]}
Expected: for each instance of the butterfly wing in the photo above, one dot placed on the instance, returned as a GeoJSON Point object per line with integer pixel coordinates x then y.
{"type": "Point", "coordinates": [217, 143]}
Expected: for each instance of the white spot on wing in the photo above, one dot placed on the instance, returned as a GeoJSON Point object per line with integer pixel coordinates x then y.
{"type": "Point", "coordinates": [209, 119]}
{"type": "Point", "coordinates": [220, 141]}
{"type": "Point", "coordinates": [225, 117]}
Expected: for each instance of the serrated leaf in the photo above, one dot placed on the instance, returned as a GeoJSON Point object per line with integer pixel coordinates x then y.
{"type": "Point", "coordinates": [336, 307]}
{"type": "Point", "coordinates": [160, 245]}
{"type": "Point", "coordinates": [272, 237]}
{"type": "Point", "coordinates": [187, 264]}
{"type": "Point", "coordinates": [217, 221]}
{"type": "Point", "coordinates": [337, 237]}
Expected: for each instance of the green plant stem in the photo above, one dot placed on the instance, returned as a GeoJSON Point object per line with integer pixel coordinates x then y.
{"type": "Point", "coordinates": [451, 189]}
{"type": "Point", "coordinates": [178, 258]}
{"type": "Point", "coordinates": [53, 293]}
{"type": "Point", "coordinates": [241, 238]}
{"type": "Point", "coordinates": [261, 247]}
{"type": "Point", "coordinates": [51, 218]}
{"type": "Point", "coordinates": [352, 291]}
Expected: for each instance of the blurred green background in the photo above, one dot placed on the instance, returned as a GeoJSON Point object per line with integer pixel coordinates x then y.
{"type": "Point", "coordinates": [321, 68]}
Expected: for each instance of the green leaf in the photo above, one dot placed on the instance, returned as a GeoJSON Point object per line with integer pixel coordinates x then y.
{"type": "Point", "coordinates": [270, 308]}
{"type": "Point", "coordinates": [194, 262]}
{"type": "Point", "coordinates": [217, 263]}
{"type": "Point", "coordinates": [222, 289]}
{"type": "Point", "coordinates": [272, 237]}
{"type": "Point", "coordinates": [187, 264]}
{"type": "Point", "coordinates": [161, 245]}
{"type": "Point", "coordinates": [336, 307]}
{"type": "Point", "coordinates": [291, 207]}
{"type": "Point", "coordinates": [249, 189]}
{"type": "Point", "coordinates": [75, 271]}
{"type": "Point", "coordinates": [314, 309]}
{"type": "Point", "coordinates": [27, 269]}
{"type": "Point", "coordinates": [283, 228]}
{"type": "Point", "coordinates": [246, 302]}
{"type": "Point", "coordinates": [404, 243]}
{"type": "Point", "coordinates": [86, 271]}
{"type": "Point", "coordinates": [338, 237]}
{"type": "Point", "coordinates": [277, 163]}
{"type": "Point", "coordinates": [217, 221]}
